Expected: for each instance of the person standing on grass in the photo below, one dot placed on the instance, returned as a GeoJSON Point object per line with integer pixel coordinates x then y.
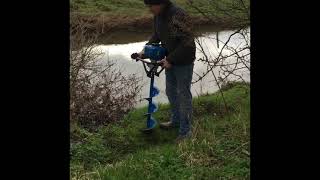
{"type": "Point", "coordinates": [173, 28]}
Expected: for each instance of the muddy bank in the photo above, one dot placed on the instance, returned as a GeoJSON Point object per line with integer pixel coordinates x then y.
{"type": "Point", "coordinates": [125, 36]}
{"type": "Point", "coordinates": [106, 24]}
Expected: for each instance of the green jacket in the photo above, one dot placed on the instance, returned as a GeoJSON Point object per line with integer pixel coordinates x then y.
{"type": "Point", "coordinates": [174, 30]}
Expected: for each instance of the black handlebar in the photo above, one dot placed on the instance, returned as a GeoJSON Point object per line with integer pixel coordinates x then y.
{"type": "Point", "coordinates": [134, 56]}
{"type": "Point", "coordinates": [137, 58]}
{"type": "Point", "coordinates": [153, 70]}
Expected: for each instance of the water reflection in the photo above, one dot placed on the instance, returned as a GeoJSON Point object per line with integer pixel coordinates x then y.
{"type": "Point", "coordinates": [120, 55]}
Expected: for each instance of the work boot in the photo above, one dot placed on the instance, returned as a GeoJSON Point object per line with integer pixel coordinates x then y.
{"type": "Point", "coordinates": [168, 125]}
{"type": "Point", "coordinates": [181, 138]}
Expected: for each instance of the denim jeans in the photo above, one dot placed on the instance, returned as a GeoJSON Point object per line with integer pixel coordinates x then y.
{"type": "Point", "coordinates": [178, 90]}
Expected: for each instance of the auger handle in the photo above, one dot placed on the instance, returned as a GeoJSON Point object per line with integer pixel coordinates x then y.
{"type": "Point", "coordinates": [147, 62]}
{"type": "Point", "coordinates": [158, 73]}
{"type": "Point", "coordinates": [137, 58]}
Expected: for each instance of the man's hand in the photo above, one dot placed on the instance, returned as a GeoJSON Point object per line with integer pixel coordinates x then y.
{"type": "Point", "coordinates": [137, 55]}
{"type": "Point", "coordinates": [165, 64]}
{"type": "Point", "coordinates": [140, 54]}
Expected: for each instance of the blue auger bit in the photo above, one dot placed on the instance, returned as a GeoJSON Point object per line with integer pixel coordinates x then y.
{"type": "Point", "coordinates": [155, 53]}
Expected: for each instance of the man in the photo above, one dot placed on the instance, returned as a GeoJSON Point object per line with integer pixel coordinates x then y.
{"type": "Point", "coordinates": [172, 27]}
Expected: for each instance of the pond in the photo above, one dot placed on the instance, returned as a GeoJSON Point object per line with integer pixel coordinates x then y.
{"type": "Point", "coordinates": [119, 46]}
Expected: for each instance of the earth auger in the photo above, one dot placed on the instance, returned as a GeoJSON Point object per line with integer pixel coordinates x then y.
{"type": "Point", "coordinates": [154, 52]}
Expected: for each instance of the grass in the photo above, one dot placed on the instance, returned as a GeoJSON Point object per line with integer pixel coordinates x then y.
{"type": "Point", "coordinates": [137, 7]}
{"type": "Point", "coordinates": [133, 13]}
{"type": "Point", "coordinates": [119, 7]}
{"type": "Point", "coordinates": [218, 149]}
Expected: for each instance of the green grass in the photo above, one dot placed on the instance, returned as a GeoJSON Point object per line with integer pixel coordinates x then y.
{"type": "Point", "coordinates": [218, 149]}
{"type": "Point", "coordinates": [137, 7]}
{"type": "Point", "coordinates": [124, 7]}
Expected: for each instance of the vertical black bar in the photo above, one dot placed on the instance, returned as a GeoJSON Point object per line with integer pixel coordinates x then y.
{"type": "Point", "coordinates": [150, 102]}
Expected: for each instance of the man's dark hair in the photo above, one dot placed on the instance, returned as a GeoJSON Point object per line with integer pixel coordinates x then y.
{"type": "Point", "coordinates": [155, 2]}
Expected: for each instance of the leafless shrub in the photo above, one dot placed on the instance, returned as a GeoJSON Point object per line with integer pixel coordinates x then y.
{"type": "Point", "coordinates": [231, 60]}
{"type": "Point", "coordinates": [99, 93]}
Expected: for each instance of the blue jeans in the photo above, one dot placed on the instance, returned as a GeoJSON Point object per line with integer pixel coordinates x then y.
{"type": "Point", "coordinates": [178, 90]}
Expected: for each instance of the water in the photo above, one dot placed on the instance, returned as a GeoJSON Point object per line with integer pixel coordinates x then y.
{"type": "Point", "coordinates": [120, 53]}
